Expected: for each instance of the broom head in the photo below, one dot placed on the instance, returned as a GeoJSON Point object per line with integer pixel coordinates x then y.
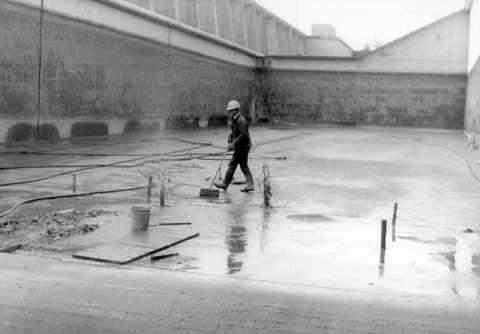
{"type": "Point", "coordinates": [209, 192]}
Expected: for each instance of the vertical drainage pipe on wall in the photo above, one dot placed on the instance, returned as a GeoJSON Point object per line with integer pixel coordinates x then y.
{"type": "Point", "coordinates": [169, 57]}
{"type": "Point", "coordinates": [39, 73]}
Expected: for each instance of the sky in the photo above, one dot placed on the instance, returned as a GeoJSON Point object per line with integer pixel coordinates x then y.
{"type": "Point", "coordinates": [362, 22]}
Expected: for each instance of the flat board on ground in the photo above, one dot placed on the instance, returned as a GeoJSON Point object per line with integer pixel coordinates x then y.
{"type": "Point", "coordinates": [137, 245]}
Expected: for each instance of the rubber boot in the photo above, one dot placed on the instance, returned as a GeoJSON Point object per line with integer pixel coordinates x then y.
{"type": "Point", "coordinates": [221, 186]}
{"type": "Point", "coordinates": [249, 186]}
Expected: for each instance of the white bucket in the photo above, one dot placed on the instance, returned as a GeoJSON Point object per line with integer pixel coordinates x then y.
{"type": "Point", "coordinates": [203, 123]}
{"type": "Point", "coordinates": [140, 218]}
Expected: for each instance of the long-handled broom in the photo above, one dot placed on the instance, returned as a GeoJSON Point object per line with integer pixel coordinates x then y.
{"type": "Point", "coordinates": [209, 192]}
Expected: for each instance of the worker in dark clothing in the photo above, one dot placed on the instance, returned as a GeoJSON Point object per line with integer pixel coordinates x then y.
{"type": "Point", "coordinates": [239, 142]}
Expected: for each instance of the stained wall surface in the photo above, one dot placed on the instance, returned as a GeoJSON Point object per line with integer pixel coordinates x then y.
{"type": "Point", "coordinates": [85, 68]}
{"type": "Point", "coordinates": [98, 81]}
{"type": "Point", "coordinates": [427, 101]}
{"type": "Point", "coordinates": [472, 109]}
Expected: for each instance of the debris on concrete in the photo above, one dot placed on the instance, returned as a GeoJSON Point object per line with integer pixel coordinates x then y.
{"type": "Point", "coordinates": [10, 249]}
{"type": "Point", "coordinates": [32, 248]}
{"type": "Point", "coordinates": [161, 257]}
{"type": "Point", "coordinates": [166, 224]}
{"type": "Point", "coordinates": [59, 229]}
{"type": "Point", "coordinates": [473, 141]}
{"type": "Point", "coordinates": [55, 225]}
{"type": "Point", "coordinates": [9, 226]}
{"type": "Point", "coordinates": [126, 251]}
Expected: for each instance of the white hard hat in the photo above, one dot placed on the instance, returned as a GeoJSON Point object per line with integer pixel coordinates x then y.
{"type": "Point", "coordinates": [233, 105]}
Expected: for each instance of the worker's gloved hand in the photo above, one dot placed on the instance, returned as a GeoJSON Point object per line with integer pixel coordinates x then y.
{"type": "Point", "coordinates": [231, 147]}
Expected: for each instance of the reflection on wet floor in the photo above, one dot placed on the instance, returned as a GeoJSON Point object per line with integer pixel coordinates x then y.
{"type": "Point", "coordinates": [236, 236]}
{"type": "Point", "coordinates": [450, 256]}
{"type": "Point", "coordinates": [320, 246]}
{"type": "Point", "coordinates": [417, 239]}
{"type": "Point", "coordinates": [237, 244]}
{"type": "Point", "coordinates": [381, 266]}
{"type": "Point", "coordinates": [476, 263]}
{"type": "Point", "coordinates": [323, 228]}
{"type": "Point", "coordinates": [265, 226]}
{"type": "Point", "coordinates": [465, 258]}
{"type": "Point", "coordinates": [311, 218]}
{"type": "Point", "coordinates": [464, 264]}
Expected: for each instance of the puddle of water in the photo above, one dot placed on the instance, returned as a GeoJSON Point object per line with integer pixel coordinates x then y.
{"type": "Point", "coordinates": [447, 240]}
{"type": "Point", "coordinates": [416, 239]}
{"type": "Point", "coordinates": [450, 257]}
{"type": "Point", "coordinates": [310, 218]}
{"type": "Point", "coordinates": [476, 271]}
{"type": "Point", "coordinates": [248, 241]}
{"type": "Point", "coordinates": [236, 244]}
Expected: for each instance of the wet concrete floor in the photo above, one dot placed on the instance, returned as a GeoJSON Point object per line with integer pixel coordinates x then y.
{"type": "Point", "coordinates": [331, 187]}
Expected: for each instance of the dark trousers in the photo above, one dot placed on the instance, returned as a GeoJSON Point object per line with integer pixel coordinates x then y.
{"type": "Point", "coordinates": [240, 157]}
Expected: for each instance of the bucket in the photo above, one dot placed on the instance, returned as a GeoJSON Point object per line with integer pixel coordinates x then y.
{"type": "Point", "coordinates": [140, 218]}
{"type": "Point", "coordinates": [203, 123]}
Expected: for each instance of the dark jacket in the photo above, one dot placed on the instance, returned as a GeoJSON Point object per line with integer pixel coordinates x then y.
{"type": "Point", "coordinates": [240, 136]}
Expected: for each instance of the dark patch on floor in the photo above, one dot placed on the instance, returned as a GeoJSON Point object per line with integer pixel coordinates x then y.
{"type": "Point", "coordinates": [310, 218]}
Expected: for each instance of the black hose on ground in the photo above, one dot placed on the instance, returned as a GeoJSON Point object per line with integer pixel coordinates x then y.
{"type": "Point", "coordinates": [93, 167]}
{"type": "Point", "coordinates": [49, 152]}
{"type": "Point", "coordinates": [461, 157]}
{"type": "Point", "coordinates": [70, 148]}
{"type": "Point", "coordinates": [87, 167]}
{"type": "Point", "coordinates": [441, 146]}
{"type": "Point", "coordinates": [59, 174]}
{"type": "Point", "coordinates": [114, 164]}
{"type": "Point", "coordinates": [68, 196]}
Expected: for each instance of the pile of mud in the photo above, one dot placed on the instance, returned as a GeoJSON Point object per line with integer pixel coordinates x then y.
{"type": "Point", "coordinates": [55, 225]}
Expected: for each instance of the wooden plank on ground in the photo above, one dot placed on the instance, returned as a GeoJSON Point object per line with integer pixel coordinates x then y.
{"type": "Point", "coordinates": [126, 250]}
{"type": "Point", "coordinates": [11, 249]}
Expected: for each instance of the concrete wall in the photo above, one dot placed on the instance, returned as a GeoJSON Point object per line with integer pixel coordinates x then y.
{"type": "Point", "coordinates": [441, 47]}
{"type": "Point", "coordinates": [417, 81]}
{"type": "Point", "coordinates": [111, 67]}
{"type": "Point", "coordinates": [243, 22]}
{"type": "Point", "coordinates": [327, 47]}
{"type": "Point", "coordinates": [472, 112]}
{"type": "Point", "coordinates": [405, 100]}
{"type": "Point", "coordinates": [97, 79]}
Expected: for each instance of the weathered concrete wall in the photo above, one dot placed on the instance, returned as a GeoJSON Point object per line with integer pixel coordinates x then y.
{"type": "Point", "coordinates": [93, 74]}
{"type": "Point", "coordinates": [326, 46]}
{"type": "Point", "coordinates": [472, 112]}
{"type": "Point", "coordinates": [404, 100]}
{"type": "Point", "coordinates": [441, 47]}
{"type": "Point", "coordinates": [18, 63]}
{"type": "Point", "coordinates": [243, 22]}
{"type": "Point", "coordinates": [419, 80]}
{"type": "Point", "coordinates": [111, 67]}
